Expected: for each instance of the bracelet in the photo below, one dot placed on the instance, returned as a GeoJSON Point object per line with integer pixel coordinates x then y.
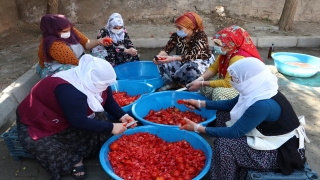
{"type": "Point", "coordinates": [196, 128]}
{"type": "Point", "coordinates": [199, 103]}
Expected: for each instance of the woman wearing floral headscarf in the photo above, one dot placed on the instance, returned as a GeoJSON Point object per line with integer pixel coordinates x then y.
{"type": "Point", "coordinates": [57, 121]}
{"type": "Point", "coordinates": [232, 44]}
{"type": "Point", "coordinates": [122, 49]}
{"type": "Point", "coordinates": [61, 46]}
{"type": "Point", "coordinates": [196, 57]}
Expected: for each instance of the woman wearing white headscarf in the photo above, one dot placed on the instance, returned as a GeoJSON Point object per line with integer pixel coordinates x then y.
{"type": "Point", "coordinates": [55, 121]}
{"type": "Point", "coordinates": [122, 49]}
{"type": "Point", "coordinates": [261, 132]}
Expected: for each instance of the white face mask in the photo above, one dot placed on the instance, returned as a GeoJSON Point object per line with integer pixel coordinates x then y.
{"type": "Point", "coordinates": [117, 31]}
{"type": "Point", "coordinates": [65, 35]}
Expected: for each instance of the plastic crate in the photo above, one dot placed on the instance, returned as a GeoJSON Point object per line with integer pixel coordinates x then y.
{"type": "Point", "coordinates": [305, 174]}
{"type": "Point", "coordinates": [13, 144]}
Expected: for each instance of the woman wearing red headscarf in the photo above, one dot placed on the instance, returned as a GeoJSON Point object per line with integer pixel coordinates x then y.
{"type": "Point", "coordinates": [232, 44]}
{"type": "Point", "coordinates": [61, 46]}
{"type": "Point", "coordinates": [196, 57]}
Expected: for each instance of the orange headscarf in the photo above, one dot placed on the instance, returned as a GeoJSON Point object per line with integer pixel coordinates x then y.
{"type": "Point", "coordinates": [239, 41]}
{"type": "Point", "coordinates": [190, 20]}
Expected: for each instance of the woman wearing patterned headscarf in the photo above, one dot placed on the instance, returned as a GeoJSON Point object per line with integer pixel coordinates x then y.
{"type": "Point", "coordinates": [61, 46]}
{"type": "Point", "coordinates": [192, 41]}
{"type": "Point", "coordinates": [122, 49]}
{"type": "Point", "coordinates": [232, 44]}
{"type": "Point", "coordinates": [57, 121]}
{"type": "Point", "coordinates": [261, 130]}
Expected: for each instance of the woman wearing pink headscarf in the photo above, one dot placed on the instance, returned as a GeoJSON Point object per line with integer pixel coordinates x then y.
{"type": "Point", "coordinates": [231, 44]}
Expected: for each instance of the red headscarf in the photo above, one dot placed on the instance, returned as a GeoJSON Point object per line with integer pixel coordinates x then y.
{"type": "Point", "coordinates": [239, 41]}
{"type": "Point", "coordinates": [51, 25]}
{"type": "Point", "coordinates": [190, 20]}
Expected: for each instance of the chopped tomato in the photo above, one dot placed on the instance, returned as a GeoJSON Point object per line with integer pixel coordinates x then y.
{"type": "Point", "coordinates": [146, 156]}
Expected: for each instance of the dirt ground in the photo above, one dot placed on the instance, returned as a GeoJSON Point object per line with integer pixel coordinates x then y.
{"type": "Point", "coordinates": [19, 45]}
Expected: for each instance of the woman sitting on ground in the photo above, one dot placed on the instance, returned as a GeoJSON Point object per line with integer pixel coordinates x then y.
{"type": "Point", "coordinates": [122, 49]}
{"type": "Point", "coordinates": [61, 46]}
{"type": "Point", "coordinates": [57, 123]}
{"type": "Point", "coordinates": [257, 130]}
{"type": "Point", "coordinates": [196, 57]}
{"type": "Point", "coordinates": [232, 44]}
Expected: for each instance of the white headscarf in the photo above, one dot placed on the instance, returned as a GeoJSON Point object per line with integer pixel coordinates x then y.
{"type": "Point", "coordinates": [115, 20]}
{"type": "Point", "coordinates": [254, 81]}
{"type": "Point", "coordinates": [92, 76]}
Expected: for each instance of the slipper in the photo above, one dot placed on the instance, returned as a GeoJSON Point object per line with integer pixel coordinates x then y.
{"type": "Point", "coordinates": [78, 169]}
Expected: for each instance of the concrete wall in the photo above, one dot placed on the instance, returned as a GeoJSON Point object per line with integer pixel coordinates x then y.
{"type": "Point", "coordinates": [97, 11]}
{"type": "Point", "coordinates": [8, 14]}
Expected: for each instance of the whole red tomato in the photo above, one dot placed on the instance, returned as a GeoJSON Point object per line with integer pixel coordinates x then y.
{"type": "Point", "coordinates": [180, 101]}
{"type": "Point", "coordinates": [107, 40]}
{"type": "Point", "coordinates": [114, 146]}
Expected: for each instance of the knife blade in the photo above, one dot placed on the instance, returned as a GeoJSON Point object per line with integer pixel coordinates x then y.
{"type": "Point", "coordinates": [182, 89]}
{"type": "Point", "coordinates": [131, 123]}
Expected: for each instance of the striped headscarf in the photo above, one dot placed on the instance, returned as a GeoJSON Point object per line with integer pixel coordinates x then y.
{"type": "Point", "coordinates": [190, 20]}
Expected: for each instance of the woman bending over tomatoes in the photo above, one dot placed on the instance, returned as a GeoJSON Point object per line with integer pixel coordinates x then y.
{"type": "Point", "coordinates": [57, 123]}
{"type": "Point", "coordinates": [256, 130]}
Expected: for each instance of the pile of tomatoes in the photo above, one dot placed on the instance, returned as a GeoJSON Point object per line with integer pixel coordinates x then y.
{"type": "Point", "coordinates": [172, 116]}
{"type": "Point", "coordinates": [146, 156]}
{"type": "Point", "coordinates": [123, 99]}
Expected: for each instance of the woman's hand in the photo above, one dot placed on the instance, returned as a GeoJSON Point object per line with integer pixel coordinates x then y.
{"type": "Point", "coordinates": [126, 119]}
{"type": "Point", "coordinates": [192, 103]}
{"type": "Point", "coordinates": [105, 41]}
{"type": "Point", "coordinates": [164, 59]}
{"type": "Point", "coordinates": [196, 84]}
{"type": "Point", "coordinates": [118, 128]}
{"type": "Point", "coordinates": [189, 125]}
{"type": "Point", "coordinates": [131, 51]}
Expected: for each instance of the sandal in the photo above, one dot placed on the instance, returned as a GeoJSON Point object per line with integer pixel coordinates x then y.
{"type": "Point", "coordinates": [78, 169]}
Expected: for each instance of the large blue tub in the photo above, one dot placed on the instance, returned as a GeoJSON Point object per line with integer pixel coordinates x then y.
{"type": "Point", "coordinates": [132, 88]}
{"type": "Point", "coordinates": [159, 100]}
{"type": "Point", "coordinates": [282, 62]}
{"type": "Point", "coordinates": [167, 134]}
{"type": "Point", "coordinates": [142, 71]}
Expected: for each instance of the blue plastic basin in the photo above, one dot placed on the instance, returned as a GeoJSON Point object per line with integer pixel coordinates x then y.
{"type": "Point", "coordinates": [132, 88]}
{"type": "Point", "coordinates": [159, 100]}
{"type": "Point", "coordinates": [282, 58]}
{"type": "Point", "coordinates": [143, 71]}
{"type": "Point", "coordinates": [167, 134]}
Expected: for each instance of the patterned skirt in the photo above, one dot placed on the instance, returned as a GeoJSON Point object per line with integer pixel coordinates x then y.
{"type": "Point", "coordinates": [218, 93]}
{"type": "Point", "coordinates": [232, 158]}
{"type": "Point", "coordinates": [183, 73]}
{"type": "Point", "coordinates": [47, 70]}
{"type": "Point", "coordinates": [58, 153]}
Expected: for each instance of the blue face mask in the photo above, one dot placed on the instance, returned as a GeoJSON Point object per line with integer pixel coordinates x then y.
{"type": "Point", "coordinates": [181, 33]}
{"type": "Point", "coordinates": [218, 50]}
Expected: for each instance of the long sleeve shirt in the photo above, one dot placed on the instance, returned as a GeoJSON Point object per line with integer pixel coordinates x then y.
{"type": "Point", "coordinates": [75, 107]}
{"type": "Point", "coordinates": [214, 69]}
{"type": "Point", "coordinates": [262, 110]}
{"type": "Point", "coordinates": [197, 48]}
{"type": "Point", "coordinates": [61, 52]}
